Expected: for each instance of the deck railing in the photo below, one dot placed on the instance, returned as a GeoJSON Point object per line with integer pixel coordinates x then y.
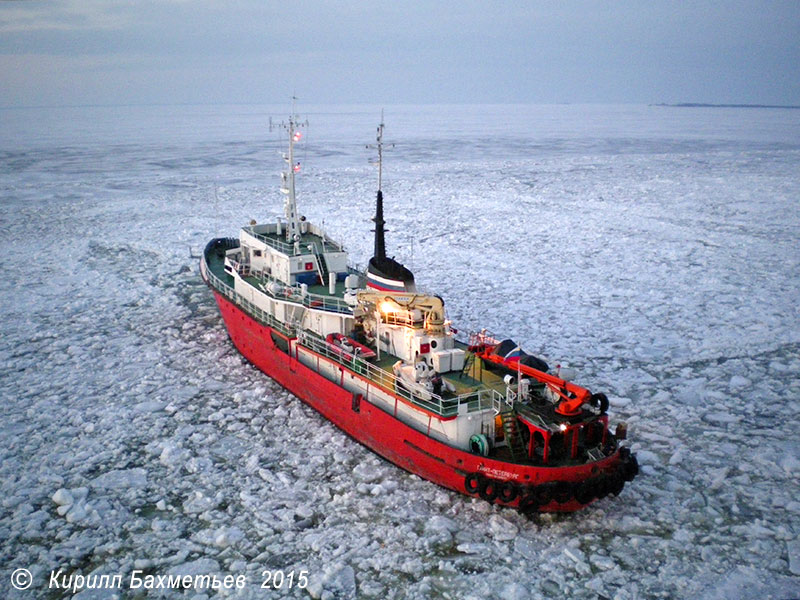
{"type": "Point", "coordinates": [289, 249]}
{"type": "Point", "coordinates": [413, 392]}
{"type": "Point", "coordinates": [250, 308]}
{"type": "Point", "coordinates": [270, 241]}
{"type": "Point", "coordinates": [535, 418]}
{"type": "Point", "coordinates": [326, 240]}
{"type": "Point", "coordinates": [294, 293]}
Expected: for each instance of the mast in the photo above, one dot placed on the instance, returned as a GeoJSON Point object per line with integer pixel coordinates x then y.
{"type": "Point", "coordinates": [288, 178]}
{"type": "Point", "coordinates": [380, 242]}
{"type": "Point", "coordinates": [385, 273]}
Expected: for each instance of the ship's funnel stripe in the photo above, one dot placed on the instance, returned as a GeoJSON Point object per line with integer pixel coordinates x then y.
{"type": "Point", "coordinates": [397, 287]}
{"type": "Point", "coordinates": [384, 281]}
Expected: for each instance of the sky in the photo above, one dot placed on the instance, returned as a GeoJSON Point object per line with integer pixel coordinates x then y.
{"type": "Point", "coordinates": [111, 52]}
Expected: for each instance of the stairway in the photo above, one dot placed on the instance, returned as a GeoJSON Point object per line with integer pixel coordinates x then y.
{"type": "Point", "coordinates": [513, 436]}
{"type": "Point", "coordinates": [322, 266]}
{"type": "Point", "coordinates": [467, 364]}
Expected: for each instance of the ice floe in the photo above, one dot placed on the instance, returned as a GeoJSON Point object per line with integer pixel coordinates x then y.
{"type": "Point", "coordinates": [654, 249]}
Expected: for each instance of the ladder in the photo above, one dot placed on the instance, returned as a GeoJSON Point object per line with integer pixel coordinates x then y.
{"type": "Point", "coordinates": [467, 365]}
{"type": "Point", "coordinates": [478, 342]}
{"type": "Point", "coordinates": [322, 266]}
{"type": "Point", "coordinates": [513, 436]}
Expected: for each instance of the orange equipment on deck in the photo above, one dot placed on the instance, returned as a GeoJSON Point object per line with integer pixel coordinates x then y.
{"type": "Point", "coordinates": [572, 396]}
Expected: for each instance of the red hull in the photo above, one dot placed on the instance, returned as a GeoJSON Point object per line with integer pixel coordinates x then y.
{"type": "Point", "coordinates": [387, 436]}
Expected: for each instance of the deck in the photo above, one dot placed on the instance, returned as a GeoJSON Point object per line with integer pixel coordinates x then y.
{"type": "Point", "coordinates": [475, 387]}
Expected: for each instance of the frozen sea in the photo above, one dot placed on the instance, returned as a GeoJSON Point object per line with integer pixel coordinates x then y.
{"type": "Point", "coordinates": [655, 249]}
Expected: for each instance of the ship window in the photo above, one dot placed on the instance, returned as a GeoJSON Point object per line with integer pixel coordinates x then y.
{"type": "Point", "coordinates": [434, 344]}
{"type": "Point", "coordinates": [256, 252]}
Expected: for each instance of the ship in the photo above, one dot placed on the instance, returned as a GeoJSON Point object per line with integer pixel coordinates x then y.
{"type": "Point", "coordinates": [379, 358]}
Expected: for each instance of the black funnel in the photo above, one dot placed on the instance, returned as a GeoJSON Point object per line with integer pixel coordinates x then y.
{"type": "Point", "coordinates": [380, 243]}
{"type": "Point", "coordinates": [380, 264]}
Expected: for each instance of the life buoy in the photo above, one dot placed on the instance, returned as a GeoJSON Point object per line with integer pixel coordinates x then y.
{"type": "Point", "coordinates": [507, 491]}
{"type": "Point", "coordinates": [479, 444]}
{"type": "Point", "coordinates": [488, 489]}
{"type": "Point", "coordinates": [472, 482]}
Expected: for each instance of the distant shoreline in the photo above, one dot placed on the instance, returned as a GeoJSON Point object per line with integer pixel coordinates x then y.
{"type": "Point", "coordinates": [702, 105]}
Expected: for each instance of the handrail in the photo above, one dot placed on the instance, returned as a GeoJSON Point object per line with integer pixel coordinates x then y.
{"type": "Point", "coordinates": [326, 239]}
{"type": "Point", "coordinates": [294, 293]}
{"type": "Point", "coordinates": [356, 269]}
{"type": "Point", "coordinates": [289, 249]}
{"type": "Point", "coordinates": [250, 308]}
{"type": "Point", "coordinates": [277, 244]}
{"type": "Point", "coordinates": [434, 403]}
{"type": "Point", "coordinates": [329, 303]}
{"type": "Point", "coordinates": [532, 416]}
{"type": "Point", "coordinates": [446, 407]}
{"type": "Point", "coordinates": [482, 338]}
{"type": "Point", "coordinates": [374, 373]}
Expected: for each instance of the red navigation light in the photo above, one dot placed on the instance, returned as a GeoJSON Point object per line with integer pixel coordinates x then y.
{"type": "Point", "coordinates": [297, 136]}
{"type": "Point", "coordinates": [297, 168]}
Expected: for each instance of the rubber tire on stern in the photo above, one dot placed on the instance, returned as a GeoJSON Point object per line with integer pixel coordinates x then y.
{"type": "Point", "coordinates": [527, 501]}
{"type": "Point", "coordinates": [543, 493]}
{"type": "Point", "coordinates": [585, 491]}
{"type": "Point", "coordinates": [599, 400]}
{"type": "Point", "coordinates": [472, 483]}
{"type": "Point", "coordinates": [562, 492]}
{"type": "Point", "coordinates": [488, 488]}
{"type": "Point", "coordinates": [603, 486]}
{"type": "Point", "coordinates": [615, 484]}
{"type": "Point", "coordinates": [631, 468]}
{"type": "Point", "coordinates": [507, 491]}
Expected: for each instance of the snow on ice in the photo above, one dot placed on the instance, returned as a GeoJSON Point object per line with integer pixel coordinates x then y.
{"type": "Point", "coordinates": [655, 249]}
